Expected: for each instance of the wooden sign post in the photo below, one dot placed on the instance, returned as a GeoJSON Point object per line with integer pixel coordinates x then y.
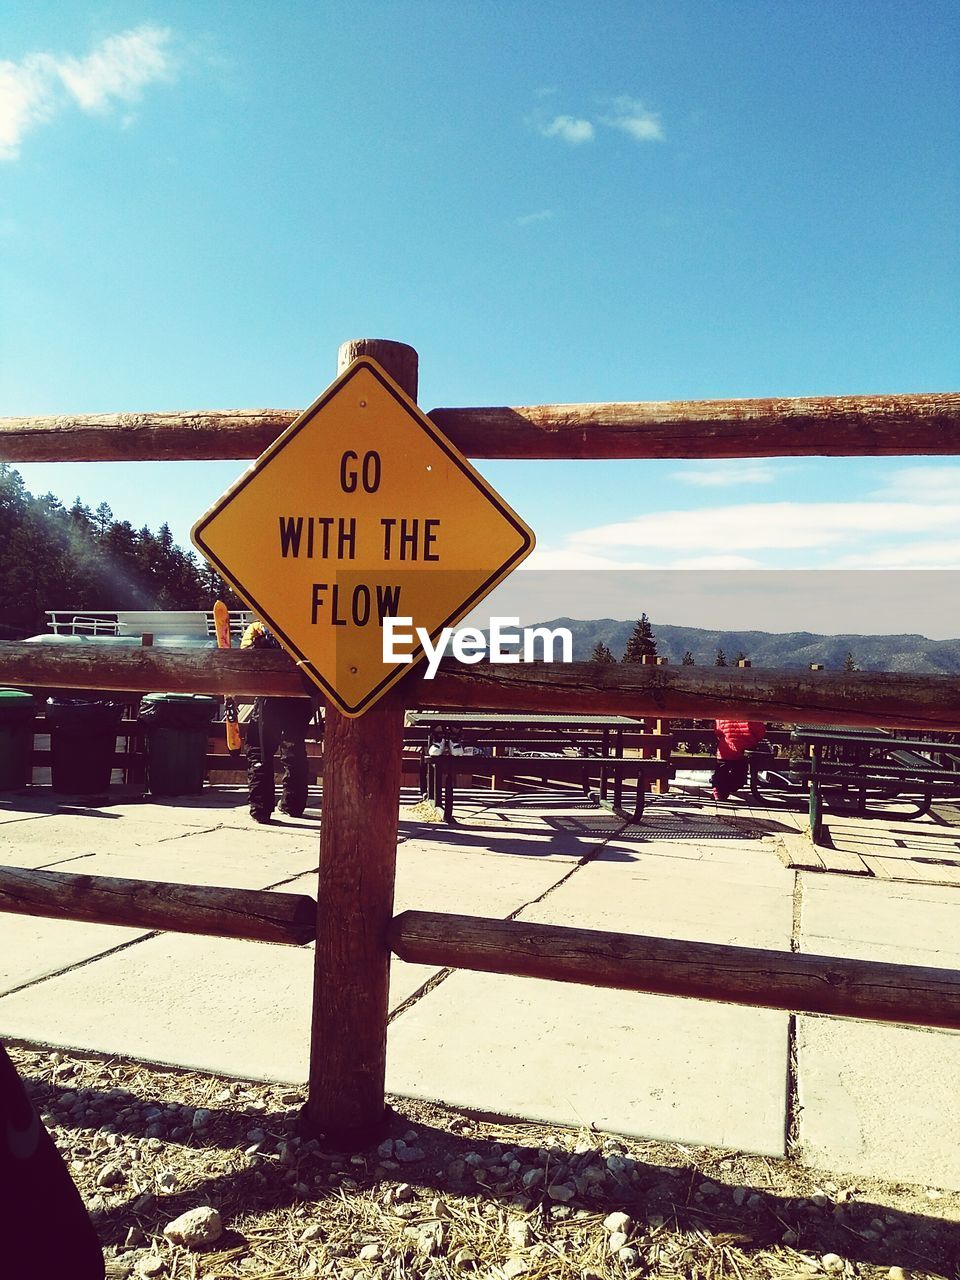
{"type": "Point", "coordinates": [358, 856]}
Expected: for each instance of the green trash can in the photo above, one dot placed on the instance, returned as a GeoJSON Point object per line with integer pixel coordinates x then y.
{"type": "Point", "coordinates": [17, 710]}
{"type": "Point", "coordinates": [83, 743]}
{"type": "Point", "coordinates": [177, 728]}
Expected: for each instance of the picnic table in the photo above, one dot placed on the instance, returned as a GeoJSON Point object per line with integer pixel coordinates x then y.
{"type": "Point", "coordinates": [504, 746]}
{"type": "Point", "coordinates": [857, 771]}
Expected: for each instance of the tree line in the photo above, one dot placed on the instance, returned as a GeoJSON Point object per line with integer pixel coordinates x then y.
{"type": "Point", "coordinates": [57, 557]}
{"type": "Point", "coordinates": [642, 645]}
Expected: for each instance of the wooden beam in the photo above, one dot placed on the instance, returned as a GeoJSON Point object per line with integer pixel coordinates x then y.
{"type": "Point", "coordinates": [153, 904]}
{"type": "Point", "coordinates": [358, 854]}
{"type": "Point", "coordinates": [796, 982]}
{"type": "Point", "coordinates": [871, 698]}
{"type": "Point", "coordinates": [827, 426]}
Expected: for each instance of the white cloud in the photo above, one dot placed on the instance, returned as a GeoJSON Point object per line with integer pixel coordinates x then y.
{"type": "Point", "coordinates": [777, 525]}
{"type": "Point", "coordinates": [922, 484]}
{"type": "Point", "coordinates": [575, 559]}
{"type": "Point", "coordinates": [26, 99]}
{"type": "Point", "coordinates": [118, 68]}
{"type": "Point", "coordinates": [542, 215]}
{"type": "Point", "coordinates": [913, 555]}
{"type": "Point", "coordinates": [633, 118]}
{"type": "Point", "coordinates": [722, 473]}
{"type": "Point", "coordinates": [569, 129]}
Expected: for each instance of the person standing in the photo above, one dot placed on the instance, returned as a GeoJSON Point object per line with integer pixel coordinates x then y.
{"type": "Point", "coordinates": [277, 723]}
{"type": "Point", "coordinates": [734, 739]}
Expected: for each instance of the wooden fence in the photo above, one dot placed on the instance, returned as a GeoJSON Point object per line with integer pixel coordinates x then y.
{"type": "Point", "coordinates": [354, 927]}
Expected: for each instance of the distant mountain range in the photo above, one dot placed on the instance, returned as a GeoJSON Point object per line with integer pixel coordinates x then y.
{"type": "Point", "coordinates": [908, 653]}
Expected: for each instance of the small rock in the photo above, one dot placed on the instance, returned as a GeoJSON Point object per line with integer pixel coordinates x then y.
{"type": "Point", "coordinates": [167, 1182]}
{"type": "Point", "coordinates": [616, 1241]}
{"type": "Point", "coordinates": [109, 1176]}
{"type": "Point", "coordinates": [135, 1239]}
{"type": "Point", "coordinates": [402, 1191]}
{"type": "Point", "coordinates": [151, 1265]}
{"type": "Point", "coordinates": [561, 1191]}
{"type": "Point", "coordinates": [655, 1221]}
{"type": "Point", "coordinates": [739, 1195]}
{"type": "Point", "coordinates": [311, 1233]}
{"type": "Point", "coordinates": [532, 1176]}
{"type": "Point", "coordinates": [615, 1222]}
{"type": "Point", "coordinates": [201, 1118]}
{"type": "Point", "coordinates": [256, 1135]}
{"type": "Point", "coordinates": [832, 1262]}
{"type": "Point", "coordinates": [518, 1233]}
{"type": "Point", "coordinates": [514, 1267]}
{"type": "Point", "coordinates": [896, 1273]}
{"type": "Point", "coordinates": [369, 1253]}
{"type": "Point", "coordinates": [196, 1227]}
{"type": "Point", "coordinates": [385, 1149]}
{"type": "Point", "coordinates": [629, 1257]}
{"type": "Point", "coordinates": [410, 1155]}
{"type": "Point", "coordinates": [465, 1259]}
{"type": "Point", "coordinates": [789, 1237]}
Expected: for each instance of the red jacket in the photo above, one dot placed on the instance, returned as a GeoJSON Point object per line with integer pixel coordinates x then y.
{"type": "Point", "coordinates": [734, 737]}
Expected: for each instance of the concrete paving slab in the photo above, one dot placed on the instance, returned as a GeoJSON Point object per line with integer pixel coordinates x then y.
{"type": "Point", "coordinates": [34, 948]}
{"type": "Point", "coordinates": [15, 808]}
{"type": "Point", "coordinates": [534, 840]}
{"type": "Point", "coordinates": [700, 901]}
{"type": "Point", "coordinates": [213, 1004]}
{"type": "Point", "coordinates": [875, 1099]}
{"type": "Point", "coordinates": [442, 877]}
{"type": "Point", "coordinates": [879, 1101]}
{"type": "Point", "coordinates": [70, 835]}
{"type": "Point", "coordinates": [866, 919]}
{"type": "Point", "coordinates": [675, 1070]}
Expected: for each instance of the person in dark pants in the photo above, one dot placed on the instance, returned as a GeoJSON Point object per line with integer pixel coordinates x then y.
{"type": "Point", "coordinates": [734, 739]}
{"type": "Point", "coordinates": [44, 1227]}
{"type": "Point", "coordinates": [277, 724]}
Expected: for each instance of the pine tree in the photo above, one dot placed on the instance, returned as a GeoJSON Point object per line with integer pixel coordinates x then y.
{"type": "Point", "coordinates": [849, 664]}
{"type": "Point", "coordinates": [721, 660]}
{"type": "Point", "coordinates": [688, 659]}
{"type": "Point", "coordinates": [641, 643]}
{"type": "Point", "coordinates": [601, 654]}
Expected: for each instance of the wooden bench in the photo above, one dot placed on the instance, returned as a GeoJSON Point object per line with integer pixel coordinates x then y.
{"type": "Point", "coordinates": [443, 774]}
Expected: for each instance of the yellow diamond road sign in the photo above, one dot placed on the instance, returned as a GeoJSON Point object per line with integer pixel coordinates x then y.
{"type": "Point", "coordinates": [360, 510]}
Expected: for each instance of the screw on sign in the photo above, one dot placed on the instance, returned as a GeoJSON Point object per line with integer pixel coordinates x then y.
{"type": "Point", "coordinates": [359, 511]}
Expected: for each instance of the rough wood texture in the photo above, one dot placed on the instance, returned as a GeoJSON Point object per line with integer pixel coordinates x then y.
{"type": "Point", "coordinates": [828, 426]}
{"type": "Point", "coordinates": [738, 975]}
{"type": "Point", "coordinates": [874, 699]}
{"type": "Point", "coordinates": [151, 904]}
{"type": "Point", "coordinates": [358, 854]}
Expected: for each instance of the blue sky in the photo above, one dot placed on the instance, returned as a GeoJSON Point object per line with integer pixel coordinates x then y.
{"type": "Point", "coordinates": [553, 203]}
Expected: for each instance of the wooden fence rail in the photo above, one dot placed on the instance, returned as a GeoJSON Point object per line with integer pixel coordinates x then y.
{"type": "Point", "coordinates": [151, 904]}
{"type": "Point", "coordinates": [828, 426]}
{"type": "Point", "coordinates": [788, 980]}
{"type": "Point", "coordinates": [874, 699]}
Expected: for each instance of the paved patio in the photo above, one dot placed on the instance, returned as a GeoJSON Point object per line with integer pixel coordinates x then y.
{"type": "Point", "coordinates": [856, 1097]}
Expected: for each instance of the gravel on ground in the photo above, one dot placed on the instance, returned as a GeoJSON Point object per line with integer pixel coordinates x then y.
{"type": "Point", "coordinates": [191, 1175]}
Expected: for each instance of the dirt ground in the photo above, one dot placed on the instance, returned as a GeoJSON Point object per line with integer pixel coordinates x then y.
{"type": "Point", "coordinates": [443, 1194]}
